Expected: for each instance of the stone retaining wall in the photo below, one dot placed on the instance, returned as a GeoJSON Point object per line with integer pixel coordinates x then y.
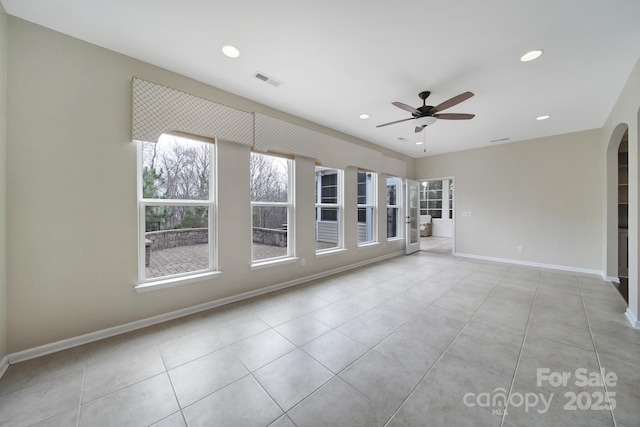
{"type": "Point", "coordinates": [269, 236]}
{"type": "Point", "coordinates": [166, 239]}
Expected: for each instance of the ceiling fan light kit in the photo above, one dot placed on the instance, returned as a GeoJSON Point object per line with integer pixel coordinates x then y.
{"type": "Point", "coordinates": [428, 114]}
{"type": "Point", "coordinates": [425, 121]}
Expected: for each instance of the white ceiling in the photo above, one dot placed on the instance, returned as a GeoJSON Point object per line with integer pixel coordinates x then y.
{"type": "Point", "coordinates": [338, 59]}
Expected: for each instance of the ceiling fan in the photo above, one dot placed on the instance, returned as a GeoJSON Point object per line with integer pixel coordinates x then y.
{"type": "Point", "coordinates": [428, 114]}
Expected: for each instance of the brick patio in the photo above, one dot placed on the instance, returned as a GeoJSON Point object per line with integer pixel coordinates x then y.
{"type": "Point", "coordinates": [183, 259]}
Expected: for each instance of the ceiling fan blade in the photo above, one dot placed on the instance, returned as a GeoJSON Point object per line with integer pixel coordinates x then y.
{"type": "Point", "coordinates": [397, 121]}
{"type": "Point", "coordinates": [454, 116]}
{"type": "Point", "coordinates": [451, 102]}
{"type": "Point", "coordinates": [419, 128]}
{"type": "Point", "coordinates": [406, 107]}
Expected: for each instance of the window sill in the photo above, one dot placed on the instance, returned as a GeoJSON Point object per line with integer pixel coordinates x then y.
{"type": "Point", "coordinates": [368, 245]}
{"type": "Point", "coordinates": [330, 252]}
{"type": "Point", "coordinates": [273, 262]}
{"type": "Point", "coordinates": [395, 239]}
{"type": "Point", "coordinates": [176, 281]}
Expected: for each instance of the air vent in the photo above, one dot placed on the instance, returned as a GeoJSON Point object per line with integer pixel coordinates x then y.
{"type": "Point", "coordinates": [500, 140]}
{"type": "Point", "coordinates": [262, 76]}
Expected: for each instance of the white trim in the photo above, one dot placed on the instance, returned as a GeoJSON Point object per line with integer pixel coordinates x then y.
{"type": "Point", "coordinates": [532, 264]}
{"type": "Point", "coordinates": [330, 251]}
{"type": "Point", "coordinates": [610, 278]}
{"type": "Point", "coordinates": [4, 365]}
{"type": "Point", "coordinates": [271, 262]}
{"type": "Point", "coordinates": [176, 281]}
{"type": "Point", "coordinates": [632, 318]}
{"type": "Point", "coordinates": [368, 245]}
{"type": "Point", "coordinates": [53, 347]}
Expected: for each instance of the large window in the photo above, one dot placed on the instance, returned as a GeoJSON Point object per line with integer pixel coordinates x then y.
{"type": "Point", "coordinates": [436, 198]}
{"type": "Point", "coordinates": [366, 207]}
{"type": "Point", "coordinates": [176, 205]}
{"type": "Point", "coordinates": [431, 198]}
{"type": "Point", "coordinates": [271, 207]}
{"type": "Point", "coordinates": [328, 209]}
{"type": "Point", "coordinates": [394, 203]}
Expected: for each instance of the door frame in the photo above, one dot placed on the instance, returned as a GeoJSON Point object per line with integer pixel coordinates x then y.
{"type": "Point", "coordinates": [451, 178]}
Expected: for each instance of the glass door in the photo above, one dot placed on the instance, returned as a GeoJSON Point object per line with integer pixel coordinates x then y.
{"type": "Point", "coordinates": [412, 230]}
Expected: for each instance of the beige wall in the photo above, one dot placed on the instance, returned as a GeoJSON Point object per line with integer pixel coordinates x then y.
{"type": "Point", "coordinates": [71, 231]}
{"type": "Point", "coordinates": [3, 143]}
{"type": "Point", "coordinates": [543, 194]}
{"type": "Point", "coordinates": [625, 114]}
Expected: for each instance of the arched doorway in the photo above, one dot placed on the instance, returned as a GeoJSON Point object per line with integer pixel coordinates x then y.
{"type": "Point", "coordinates": [618, 209]}
{"type": "Point", "coordinates": [623, 216]}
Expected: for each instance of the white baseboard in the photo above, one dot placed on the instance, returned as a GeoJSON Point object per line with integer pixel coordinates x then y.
{"type": "Point", "coordinates": [532, 264]}
{"type": "Point", "coordinates": [65, 344]}
{"type": "Point", "coordinates": [612, 279]}
{"type": "Point", "coordinates": [4, 364]}
{"type": "Point", "coordinates": [632, 318]}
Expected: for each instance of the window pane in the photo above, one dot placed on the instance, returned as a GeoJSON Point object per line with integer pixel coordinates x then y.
{"type": "Point", "coordinates": [269, 178]}
{"type": "Point", "coordinates": [365, 225]}
{"type": "Point", "coordinates": [270, 235]}
{"type": "Point", "coordinates": [327, 231]}
{"type": "Point", "coordinates": [394, 187]}
{"type": "Point", "coordinates": [392, 197]}
{"type": "Point", "coordinates": [435, 213]}
{"type": "Point", "coordinates": [328, 214]}
{"type": "Point", "coordinates": [176, 240]}
{"type": "Point", "coordinates": [328, 181]}
{"type": "Point", "coordinates": [392, 222]}
{"type": "Point", "coordinates": [365, 188]}
{"type": "Point", "coordinates": [175, 168]}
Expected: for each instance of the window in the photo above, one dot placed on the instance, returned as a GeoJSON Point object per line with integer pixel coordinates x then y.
{"type": "Point", "coordinates": [431, 198]}
{"type": "Point", "coordinates": [328, 209]}
{"type": "Point", "coordinates": [366, 207]}
{"type": "Point", "coordinates": [436, 198]}
{"type": "Point", "coordinates": [271, 207]}
{"type": "Point", "coordinates": [450, 199]}
{"type": "Point", "coordinates": [176, 205]}
{"type": "Point", "coordinates": [394, 193]}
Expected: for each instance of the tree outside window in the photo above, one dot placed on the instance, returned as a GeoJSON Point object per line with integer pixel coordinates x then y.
{"type": "Point", "coordinates": [176, 204]}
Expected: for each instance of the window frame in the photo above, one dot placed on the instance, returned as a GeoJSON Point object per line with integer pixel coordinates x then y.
{"type": "Point", "coordinates": [146, 284]}
{"type": "Point", "coordinates": [370, 204]}
{"type": "Point", "coordinates": [338, 206]}
{"type": "Point", "coordinates": [290, 208]}
{"type": "Point", "coordinates": [397, 182]}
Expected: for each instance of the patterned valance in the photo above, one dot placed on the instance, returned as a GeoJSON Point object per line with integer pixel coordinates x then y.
{"type": "Point", "coordinates": [278, 135]}
{"type": "Point", "coordinates": [158, 109]}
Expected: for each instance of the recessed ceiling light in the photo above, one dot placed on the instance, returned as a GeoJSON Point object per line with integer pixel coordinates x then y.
{"type": "Point", "coordinates": [364, 116]}
{"type": "Point", "coordinates": [542, 117]}
{"type": "Point", "coordinates": [530, 56]}
{"type": "Point", "coordinates": [419, 143]}
{"type": "Point", "coordinates": [231, 51]}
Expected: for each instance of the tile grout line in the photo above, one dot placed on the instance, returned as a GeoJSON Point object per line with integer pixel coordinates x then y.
{"type": "Point", "coordinates": [448, 346]}
{"type": "Point", "coordinates": [595, 350]}
{"type": "Point", "coordinates": [84, 376]}
{"type": "Point", "coordinates": [175, 395]}
{"type": "Point", "coordinates": [524, 339]}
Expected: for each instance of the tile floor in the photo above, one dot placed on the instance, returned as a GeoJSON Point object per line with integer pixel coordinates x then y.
{"type": "Point", "coordinates": [443, 245]}
{"type": "Point", "coordinates": [426, 339]}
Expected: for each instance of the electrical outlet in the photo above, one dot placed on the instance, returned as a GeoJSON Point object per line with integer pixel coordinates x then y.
{"type": "Point", "coordinates": [520, 249]}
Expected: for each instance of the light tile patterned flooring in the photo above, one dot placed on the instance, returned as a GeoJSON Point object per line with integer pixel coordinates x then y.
{"type": "Point", "coordinates": [426, 339]}
{"type": "Point", "coordinates": [443, 245]}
